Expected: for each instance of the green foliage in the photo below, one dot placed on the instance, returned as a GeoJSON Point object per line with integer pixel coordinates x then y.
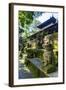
{"type": "Point", "coordinates": [35, 70]}
{"type": "Point", "coordinates": [28, 21]}
{"type": "Point", "coordinates": [51, 68]}
{"type": "Point", "coordinates": [55, 48]}
{"type": "Point", "coordinates": [25, 17]}
{"type": "Point", "coordinates": [32, 53]}
{"type": "Point", "coordinates": [33, 26]}
{"type": "Point", "coordinates": [32, 68]}
{"type": "Point", "coordinates": [56, 57]}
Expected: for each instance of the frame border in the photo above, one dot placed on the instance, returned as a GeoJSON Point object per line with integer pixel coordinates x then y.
{"type": "Point", "coordinates": [11, 43]}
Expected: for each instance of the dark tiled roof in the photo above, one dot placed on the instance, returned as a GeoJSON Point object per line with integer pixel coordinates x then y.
{"type": "Point", "coordinates": [49, 30]}
{"type": "Point", "coordinates": [46, 23]}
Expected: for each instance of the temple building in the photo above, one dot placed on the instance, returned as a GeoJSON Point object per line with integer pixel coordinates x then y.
{"type": "Point", "coordinates": [46, 30]}
{"type": "Point", "coordinates": [43, 44]}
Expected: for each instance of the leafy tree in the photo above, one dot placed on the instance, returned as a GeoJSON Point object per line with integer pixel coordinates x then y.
{"type": "Point", "coordinates": [26, 18]}
{"type": "Point", "coordinates": [33, 27]}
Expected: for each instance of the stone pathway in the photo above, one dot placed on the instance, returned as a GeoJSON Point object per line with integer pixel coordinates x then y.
{"type": "Point", "coordinates": [24, 72]}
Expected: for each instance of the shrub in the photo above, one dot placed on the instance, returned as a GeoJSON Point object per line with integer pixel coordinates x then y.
{"type": "Point", "coordinates": [32, 53]}
{"type": "Point", "coordinates": [51, 68]}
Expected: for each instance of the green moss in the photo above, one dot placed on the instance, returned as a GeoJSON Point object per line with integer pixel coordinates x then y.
{"type": "Point", "coordinates": [32, 68]}
{"type": "Point", "coordinates": [32, 53]}
{"type": "Point", "coordinates": [35, 71]}
{"type": "Point", "coordinates": [51, 68]}
{"type": "Point", "coordinates": [20, 55]}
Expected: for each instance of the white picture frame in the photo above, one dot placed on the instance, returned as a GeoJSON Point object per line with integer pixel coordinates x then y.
{"type": "Point", "coordinates": [14, 8]}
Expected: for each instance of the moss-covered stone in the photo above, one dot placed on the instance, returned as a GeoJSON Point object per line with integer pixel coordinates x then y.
{"type": "Point", "coordinates": [51, 68]}
{"type": "Point", "coordinates": [32, 53]}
